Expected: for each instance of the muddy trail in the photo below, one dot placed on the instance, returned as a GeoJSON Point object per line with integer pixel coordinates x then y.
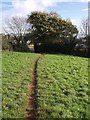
{"type": "Point", "coordinates": [32, 105]}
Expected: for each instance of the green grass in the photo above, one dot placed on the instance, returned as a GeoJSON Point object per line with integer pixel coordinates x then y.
{"type": "Point", "coordinates": [62, 87]}
{"type": "Point", "coordinates": [17, 69]}
{"type": "Point", "coordinates": [0, 83]}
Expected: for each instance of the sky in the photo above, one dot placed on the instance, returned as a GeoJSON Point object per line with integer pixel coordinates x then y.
{"type": "Point", "coordinates": [75, 10]}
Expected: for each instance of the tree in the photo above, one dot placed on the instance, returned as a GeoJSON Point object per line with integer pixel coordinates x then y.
{"type": "Point", "coordinates": [69, 37]}
{"type": "Point", "coordinates": [43, 25]}
{"type": "Point", "coordinates": [17, 27]}
{"type": "Point", "coordinates": [48, 28]}
{"type": "Point", "coordinates": [6, 40]}
{"type": "Point", "coordinates": [83, 42]}
{"type": "Point", "coordinates": [84, 27]}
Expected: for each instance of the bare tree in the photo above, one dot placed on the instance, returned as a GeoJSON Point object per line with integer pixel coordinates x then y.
{"type": "Point", "coordinates": [17, 27]}
{"type": "Point", "coordinates": [84, 40]}
{"type": "Point", "coordinates": [84, 28]}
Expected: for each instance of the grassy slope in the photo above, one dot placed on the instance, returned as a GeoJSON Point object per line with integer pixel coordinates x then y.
{"type": "Point", "coordinates": [17, 69]}
{"type": "Point", "coordinates": [62, 87]}
{"type": "Point", "coordinates": [0, 83]}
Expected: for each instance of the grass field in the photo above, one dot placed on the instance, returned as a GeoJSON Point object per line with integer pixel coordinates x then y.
{"type": "Point", "coordinates": [62, 87]}
{"type": "Point", "coordinates": [17, 70]}
{"type": "Point", "coordinates": [0, 84]}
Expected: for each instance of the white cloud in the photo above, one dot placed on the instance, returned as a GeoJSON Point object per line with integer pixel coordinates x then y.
{"type": "Point", "coordinates": [26, 6]}
{"type": "Point", "coordinates": [83, 0]}
{"type": "Point", "coordinates": [74, 21]}
{"type": "Point", "coordinates": [85, 9]}
{"type": "Point", "coordinates": [23, 7]}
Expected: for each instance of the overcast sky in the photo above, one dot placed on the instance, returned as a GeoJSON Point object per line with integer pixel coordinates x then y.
{"type": "Point", "coordinates": [76, 10]}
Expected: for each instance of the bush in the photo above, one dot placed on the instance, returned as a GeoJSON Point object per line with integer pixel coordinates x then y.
{"type": "Point", "coordinates": [6, 45]}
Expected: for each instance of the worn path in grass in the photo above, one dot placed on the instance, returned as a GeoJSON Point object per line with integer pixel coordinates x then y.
{"type": "Point", "coordinates": [32, 105]}
{"type": "Point", "coordinates": [16, 76]}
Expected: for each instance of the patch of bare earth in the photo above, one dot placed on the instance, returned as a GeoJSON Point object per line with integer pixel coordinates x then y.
{"type": "Point", "coordinates": [32, 105]}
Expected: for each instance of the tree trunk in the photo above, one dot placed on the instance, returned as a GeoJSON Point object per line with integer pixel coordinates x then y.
{"type": "Point", "coordinates": [35, 48]}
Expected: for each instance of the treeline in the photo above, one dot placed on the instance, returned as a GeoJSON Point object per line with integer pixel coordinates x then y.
{"type": "Point", "coordinates": [48, 32]}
